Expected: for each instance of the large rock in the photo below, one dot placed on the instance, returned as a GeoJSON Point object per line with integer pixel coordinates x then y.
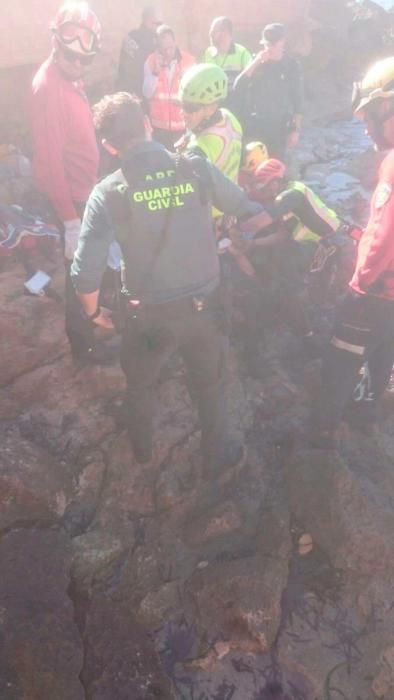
{"type": "Point", "coordinates": [62, 408]}
{"type": "Point", "coordinates": [335, 651]}
{"type": "Point", "coordinates": [97, 557]}
{"type": "Point", "coordinates": [239, 602]}
{"type": "Point", "coordinates": [120, 659]}
{"type": "Point", "coordinates": [41, 651]}
{"type": "Point", "coordinates": [347, 514]}
{"type": "Point", "coordinates": [35, 487]}
{"type": "Point", "coordinates": [31, 329]}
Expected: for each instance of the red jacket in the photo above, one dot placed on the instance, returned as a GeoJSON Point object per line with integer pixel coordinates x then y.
{"type": "Point", "coordinates": [164, 108]}
{"type": "Point", "coordinates": [65, 161]}
{"type": "Point", "coordinates": [374, 273]}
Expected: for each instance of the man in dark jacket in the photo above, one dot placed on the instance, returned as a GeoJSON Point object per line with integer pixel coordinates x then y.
{"type": "Point", "coordinates": [158, 207]}
{"type": "Point", "coordinates": [136, 47]}
{"type": "Point", "coordinates": [271, 90]}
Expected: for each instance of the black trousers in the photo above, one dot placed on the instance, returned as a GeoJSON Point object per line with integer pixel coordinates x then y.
{"type": "Point", "coordinates": [149, 340]}
{"type": "Point", "coordinates": [364, 332]}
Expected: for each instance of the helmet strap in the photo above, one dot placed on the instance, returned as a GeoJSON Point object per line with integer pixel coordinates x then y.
{"type": "Point", "coordinates": [209, 121]}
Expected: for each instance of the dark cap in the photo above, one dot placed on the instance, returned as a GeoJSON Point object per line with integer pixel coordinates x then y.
{"type": "Point", "coordinates": [273, 33]}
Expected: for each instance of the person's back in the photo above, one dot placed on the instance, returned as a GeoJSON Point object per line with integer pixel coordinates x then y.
{"type": "Point", "coordinates": [166, 201]}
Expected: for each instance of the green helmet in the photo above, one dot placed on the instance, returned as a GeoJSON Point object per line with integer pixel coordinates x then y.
{"type": "Point", "coordinates": [203, 84]}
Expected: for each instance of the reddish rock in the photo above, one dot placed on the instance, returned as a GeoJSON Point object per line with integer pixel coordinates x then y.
{"type": "Point", "coordinates": [217, 521]}
{"type": "Point", "coordinates": [346, 513]}
{"type": "Point", "coordinates": [35, 488]}
{"type": "Point", "coordinates": [239, 601]}
{"type": "Point", "coordinates": [31, 328]}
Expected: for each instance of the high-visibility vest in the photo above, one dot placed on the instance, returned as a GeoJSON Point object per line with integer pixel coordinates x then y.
{"type": "Point", "coordinates": [233, 62]}
{"type": "Point", "coordinates": [302, 233]}
{"type": "Point", "coordinates": [164, 108]}
{"type": "Point", "coordinates": [221, 143]}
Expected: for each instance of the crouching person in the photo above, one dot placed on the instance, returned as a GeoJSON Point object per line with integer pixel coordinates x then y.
{"type": "Point", "coordinates": [158, 206]}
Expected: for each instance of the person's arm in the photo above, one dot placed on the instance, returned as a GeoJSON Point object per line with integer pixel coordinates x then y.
{"type": "Point", "coordinates": [49, 138]}
{"type": "Point", "coordinates": [296, 86]}
{"type": "Point", "coordinates": [297, 202]}
{"type": "Point", "coordinates": [232, 200]}
{"type": "Point", "coordinates": [250, 69]}
{"type": "Point", "coordinates": [90, 259]}
{"type": "Point", "coordinates": [152, 69]}
{"type": "Point", "coordinates": [379, 234]}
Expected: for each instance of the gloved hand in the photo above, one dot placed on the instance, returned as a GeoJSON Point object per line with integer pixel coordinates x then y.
{"type": "Point", "coordinates": [339, 239]}
{"type": "Point", "coordinates": [72, 230]}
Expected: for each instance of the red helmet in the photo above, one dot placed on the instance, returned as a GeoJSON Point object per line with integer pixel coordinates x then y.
{"type": "Point", "coordinates": [272, 169]}
{"type": "Point", "coordinates": [76, 27]}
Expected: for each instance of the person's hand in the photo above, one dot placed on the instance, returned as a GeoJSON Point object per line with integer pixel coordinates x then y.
{"type": "Point", "coordinates": [72, 230]}
{"type": "Point", "coordinates": [292, 138]}
{"type": "Point", "coordinates": [265, 54]}
{"type": "Point", "coordinates": [104, 319]}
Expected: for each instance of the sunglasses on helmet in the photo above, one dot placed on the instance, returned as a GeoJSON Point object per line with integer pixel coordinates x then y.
{"type": "Point", "coordinates": [73, 57]}
{"type": "Point", "coordinates": [190, 107]}
{"type": "Point", "coordinates": [71, 33]}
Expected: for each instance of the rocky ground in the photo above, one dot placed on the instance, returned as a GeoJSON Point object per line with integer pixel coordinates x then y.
{"type": "Point", "coordinates": [128, 582]}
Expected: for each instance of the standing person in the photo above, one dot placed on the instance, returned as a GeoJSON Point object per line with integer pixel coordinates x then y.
{"type": "Point", "coordinates": [159, 208]}
{"type": "Point", "coordinates": [65, 161]}
{"type": "Point", "coordinates": [216, 134]}
{"type": "Point", "coordinates": [212, 130]}
{"type": "Point", "coordinates": [271, 90]}
{"type": "Point", "coordinates": [226, 53]}
{"type": "Point", "coordinates": [364, 330]}
{"type": "Point", "coordinates": [137, 46]}
{"type": "Point", "coordinates": [162, 74]}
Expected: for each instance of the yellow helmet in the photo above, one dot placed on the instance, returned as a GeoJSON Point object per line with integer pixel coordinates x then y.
{"type": "Point", "coordinates": [255, 153]}
{"type": "Point", "coordinates": [377, 83]}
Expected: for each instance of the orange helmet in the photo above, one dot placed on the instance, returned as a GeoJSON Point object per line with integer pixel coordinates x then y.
{"type": "Point", "coordinates": [77, 28]}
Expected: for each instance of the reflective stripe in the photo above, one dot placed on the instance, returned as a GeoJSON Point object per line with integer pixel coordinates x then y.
{"type": "Point", "coordinates": [328, 215]}
{"type": "Point", "coordinates": [349, 347]}
{"type": "Point", "coordinates": [301, 232]}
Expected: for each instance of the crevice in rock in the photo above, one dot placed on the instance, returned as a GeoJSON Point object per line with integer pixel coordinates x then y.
{"type": "Point", "coordinates": [30, 524]}
{"type": "Point", "coordinates": [80, 606]}
{"type": "Point", "coordinates": [37, 365]}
